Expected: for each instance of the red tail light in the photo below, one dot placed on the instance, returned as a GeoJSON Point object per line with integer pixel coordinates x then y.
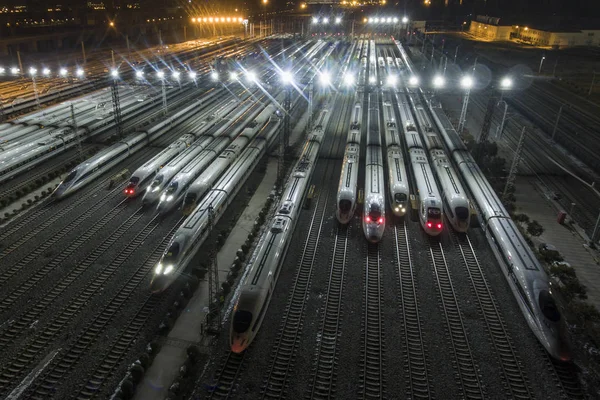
{"type": "Point", "coordinates": [439, 226]}
{"type": "Point", "coordinates": [368, 219]}
{"type": "Point", "coordinates": [380, 220]}
{"type": "Point", "coordinates": [429, 224]}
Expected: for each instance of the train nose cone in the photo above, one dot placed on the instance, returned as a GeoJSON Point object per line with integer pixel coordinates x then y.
{"type": "Point", "coordinates": [157, 284]}
{"type": "Point", "coordinates": [238, 344]}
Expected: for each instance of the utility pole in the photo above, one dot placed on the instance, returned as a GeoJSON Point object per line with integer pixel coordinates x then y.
{"type": "Point", "coordinates": [23, 72]}
{"type": "Point", "coordinates": [214, 313]}
{"type": "Point", "coordinates": [83, 52]}
{"type": "Point", "coordinates": [164, 97]}
{"type": "Point", "coordinates": [510, 181]}
{"type": "Point", "coordinates": [485, 128]}
{"type": "Point", "coordinates": [117, 107]}
{"type": "Point", "coordinates": [463, 112]}
{"type": "Point", "coordinates": [2, 116]}
{"type": "Point", "coordinates": [79, 151]}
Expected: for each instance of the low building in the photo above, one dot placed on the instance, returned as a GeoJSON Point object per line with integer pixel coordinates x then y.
{"type": "Point", "coordinates": [496, 29]}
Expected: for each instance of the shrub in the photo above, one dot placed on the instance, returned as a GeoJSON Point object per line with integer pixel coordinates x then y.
{"type": "Point", "coordinates": [586, 311]}
{"type": "Point", "coordinates": [226, 288]}
{"type": "Point", "coordinates": [127, 388]}
{"type": "Point", "coordinates": [573, 289]}
{"type": "Point", "coordinates": [193, 283]}
{"type": "Point", "coordinates": [137, 373]}
{"type": "Point", "coordinates": [521, 218]}
{"type": "Point", "coordinates": [6, 215]}
{"type": "Point", "coordinates": [153, 348]}
{"type": "Point", "coordinates": [193, 353]}
{"type": "Point", "coordinates": [563, 272]}
{"type": "Point", "coordinates": [534, 228]}
{"type": "Point", "coordinates": [36, 197]}
{"type": "Point", "coordinates": [29, 201]}
{"type": "Point", "coordinates": [144, 360]}
{"type": "Point", "coordinates": [18, 193]}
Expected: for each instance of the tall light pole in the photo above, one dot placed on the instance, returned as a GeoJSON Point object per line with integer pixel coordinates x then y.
{"type": "Point", "coordinates": [116, 104]}
{"type": "Point", "coordinates": [265, 17]}
{"type": "Point", "coordinates": [32, 72]}
{"type": "Point", "coordinates": [466, 83]}
{"type": "Point", "coordinates": [558, 119]}
{"type": "Point", "coordinates": [161, 75]}
{"type": "Point", "coordinates": [541, 63]}
{"type": "Point", "coordinates": [592, 84]}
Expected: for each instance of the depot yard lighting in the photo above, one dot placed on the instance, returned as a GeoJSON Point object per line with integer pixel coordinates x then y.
{"type": "Point", "coordinates": [2, 70]}
{"type": "Point", "coordinates": [46, 71]}
{"type": "Point", "coordinates": [139, 74]}
{"type": "Point", "coordinates": [192, 75]}
{"type": "Point", "coordinates": [404, 20]}
{"type": "Point", "coordinates": [233, 75]}
{"type": "Point", "coordinates": [348, 79]}
{"type": "Point", "coordinates": [286, 77]}
{"type": "Point", "coordinates": [160, 74]}
{"type": "Point", "coordinates": [63, 72]}
{"type": "Point", "coordinates": [338, 20]}
{"type": "Point", "coordinates": [315, 20]}
{"type": "Point", "coordinates": [32, 71]}
{"type": "Point", "coordinates": [506, 83]}
{"type": "Point", "coordinates": [176, 75]}
{"type": "Point", "coordinates": [251, 76]}
{"type": "Point", "coordinates": [325, 78]}
{"type": "Point", "coordinates": [325, 21]}
{"type": "Point", "coordinates": [214, 76]}
{"type": "Point", "coordinates": [14, 70]}
{"type": "Point", "coordinates": [438, 81]}
{"type": "Point", "coordinates": [114, 73]}
{"type": "Point", "coordinates": [466, 82]}
{"type": "Point", "coordinates": [392, 80]}
{"type": "Point", "coordinates": [79, 72]}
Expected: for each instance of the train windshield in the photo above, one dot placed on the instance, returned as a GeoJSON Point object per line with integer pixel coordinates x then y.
{"type": "Point", "coordinates": [434, 213]}
{"type": "Point", "coordinates": [70, 177]}
{"type": "Point", "coordinates": [400, 197]}
{"type": "Point", "coordinates": [241, 321]}
{"type": "Point", "coordinates": [172, 253]}
{"type": "Point", "coordinates": [375, 212]}
{"type": "Point", "coordinates": [134, 180]}
{"type": "Point", "coordinates": [156, 182]}
{"type": "Point", "coordinates": [548, 306]}
{"type": "Point", "coordinates": [355, 126]}
{"type": "Point", "coordinates": [462, 213]}
{"type": "Point", "coordinates": [172, 188]}
{"type": "Point", "coordinates": [345, 206]}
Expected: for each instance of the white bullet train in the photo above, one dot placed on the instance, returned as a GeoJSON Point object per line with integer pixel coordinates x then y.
{"type": "Point", "coordinates": [205, 181]}
{"type": "Point", "coordinates": [194, 230]}
{"type": "Point", "coordinates": [263, 270]}
{"type": "Point", "coordinates": [456, 202]}
{"type": "Point", "coordinates": [373, 81]}
{"type": "Point", "coordinates": [348, 186]}
{"type": "Point", "coordinates": [399, 189]}
{"type": "Point", "coordinates": [180, 184]}
{"type": "Point", "coordinates": [526, 278]}
{"type": "Point", "coordinates": [374, 205]}
{"type": "Point", "coordinates": [430, 209]}
{"type": "Point", "coordinates": [140, 180]}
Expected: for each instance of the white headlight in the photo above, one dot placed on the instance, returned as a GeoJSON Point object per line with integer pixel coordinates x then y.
{"type": "Point", "coordinates": [163, 197]}
{"type": "Point", "coordinates": [168, 270]}
{"type": "Point", "coordinates": [158, 269]}
{"type": "Point", "coordinates": [169, 197]}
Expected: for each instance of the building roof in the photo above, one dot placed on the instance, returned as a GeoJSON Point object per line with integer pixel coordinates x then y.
{"type": "Point", "coordinates": [549, 24]}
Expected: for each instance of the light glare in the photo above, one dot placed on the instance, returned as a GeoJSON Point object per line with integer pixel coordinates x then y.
{"type": "Point", "coordinates": [438, 81]}
{"type": "Point", "coordinates": [506, 83]}
{"type": "Point", "coordinates": [63, 72]}
{"type": "Point", "coordinates": [413, 81]}
{"type": "Point", "coordinates": [286, 77]}
{"type": "Point", "coordinates": [114, 73]}
{"type": "Point", "coordinates": [466, 82]}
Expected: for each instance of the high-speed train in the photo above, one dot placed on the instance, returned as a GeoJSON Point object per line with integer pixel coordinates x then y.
{"type": "Point", "coordinates": [143, 176]}
{"type": "Point", "coordinates": [205, 181]}
{"type": "Point", "coordinates": [372, 64]}
{"type": "Point", "coordinates": [259, 281]}
{"type": "Point", "coordinates": [430, 209]}
{"type": "Point", "coordinates": [348, 188]}
{"type": "Point", "coordinates": [374, 205]}
{"type": "Point", "coordinates": [181, 183]}
{"type": "Point", "coordinates": [194, 230]}
{"type": "Point", "coordinates": [399, 190]}
{"type": "Point", "coordinates": [526, 278]}
{"type": "Point", "coordinates": [456, 202]}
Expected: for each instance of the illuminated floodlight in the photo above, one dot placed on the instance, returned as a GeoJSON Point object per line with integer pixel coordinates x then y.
{"type": "Point", "coordinates": [372, 80]}
{"type": "Point", "coordinates": [325, 78]}
{"type": "Point", "coordinates": [438, 81]}
{"type": "Point", "coordinates": [506, 83]}
{"type": "Point", "coordinates": [251, 76]}
{"type": "Point", "coordinates": [370, 20]}
{"type": "Point", "coordinates": [32, 71]}
{"type": "Point", "coordinates": [114, 73]}
{"type": "Point", "coordinates": [214, 75]}
{"type": "Point", "coordinates": [286, 77]}
{"type": "Point", "coordinates": [63, 72]}
{"type": "Point", "coordinates": [392, 80]}
{"type": "Point", "coordinates": [389, 20]}
{"type": "Point", "coordinates": [192, 75]}
{"type": "Point", "coordinates": [348, 79]}
{"type": "Point", "coordinates": [46, 71]}
{"type": "Point", "coordinates": [176, 75]}
{"type": "Point", "coordinates": [139, 74]}
{"type": "Point", "coordinates": [404, 20]}
{"type": "Point", "coordinates": [466, 82]}
{"type": "Point", "coordinates": [14, 70]}
{"type": "Point", "coordinates": [315, 20]}
{"type": "Point", "coordinates": [376, 20]}
{"type": "Point", "coordinates": [160, 74]}
{"type": "Point", "coordinates": [338, 20]}
{"type": "Point", "coordinates": [413, 81]}
{"type": "Point", "coordinates": [79, 72]}
{"type": "Point", "coordinates": [2, 70]}
{"type": "Point", "coordinates": [233, 75]}
{"type": "Point", "coordinates": [325, 21]}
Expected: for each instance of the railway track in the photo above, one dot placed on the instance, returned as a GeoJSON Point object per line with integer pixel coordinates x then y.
{"type": "Point", "coordinates": [56, 262]}
{"type": "Point", "coordinates": [14, 368]}
{"type": "Point", "coordinates": [372, 380]}
{"type": "Point", "coordinates": [565, 376]}
{"type": "Point", "coordinates": [467, 376]}
{"type": "Point", "coordinates": [227, 375]}
{"type": "Point", "coordinates": [284, 350]}
{"type": "Point", "coordinates": [417, 377]}
{"type": "Point", "coordinates": [325, 376]}
{"type": "Point", "coordinates": [513, 374]}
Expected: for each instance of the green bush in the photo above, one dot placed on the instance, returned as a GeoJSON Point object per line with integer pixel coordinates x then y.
{"type": "Point", "coordinates": [573, 289]}
{"type": "Point", "coordinates": [563, 272]}
{"type": "Point", "coordinates": [127, 388]}
{"type": "Point", "coordinates": [18, 193]}
{"type": "Point", "coordinates": [586, 311]}
{"type": "Point", "coordinates": [193, 353]}
{"type": "Point", "coordinates": [137, 373]}
{"type": "Point", "coordinates": [144, 360]}
{"type": "Point", "coordinates": [534, 228]}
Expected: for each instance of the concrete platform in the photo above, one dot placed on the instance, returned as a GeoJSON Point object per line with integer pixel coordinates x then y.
{"type": "Point", "coordinates": [570, 240]}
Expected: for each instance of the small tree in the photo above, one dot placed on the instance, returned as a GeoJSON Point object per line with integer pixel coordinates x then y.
{"type": "Point", "coordinates": [534, 228]}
